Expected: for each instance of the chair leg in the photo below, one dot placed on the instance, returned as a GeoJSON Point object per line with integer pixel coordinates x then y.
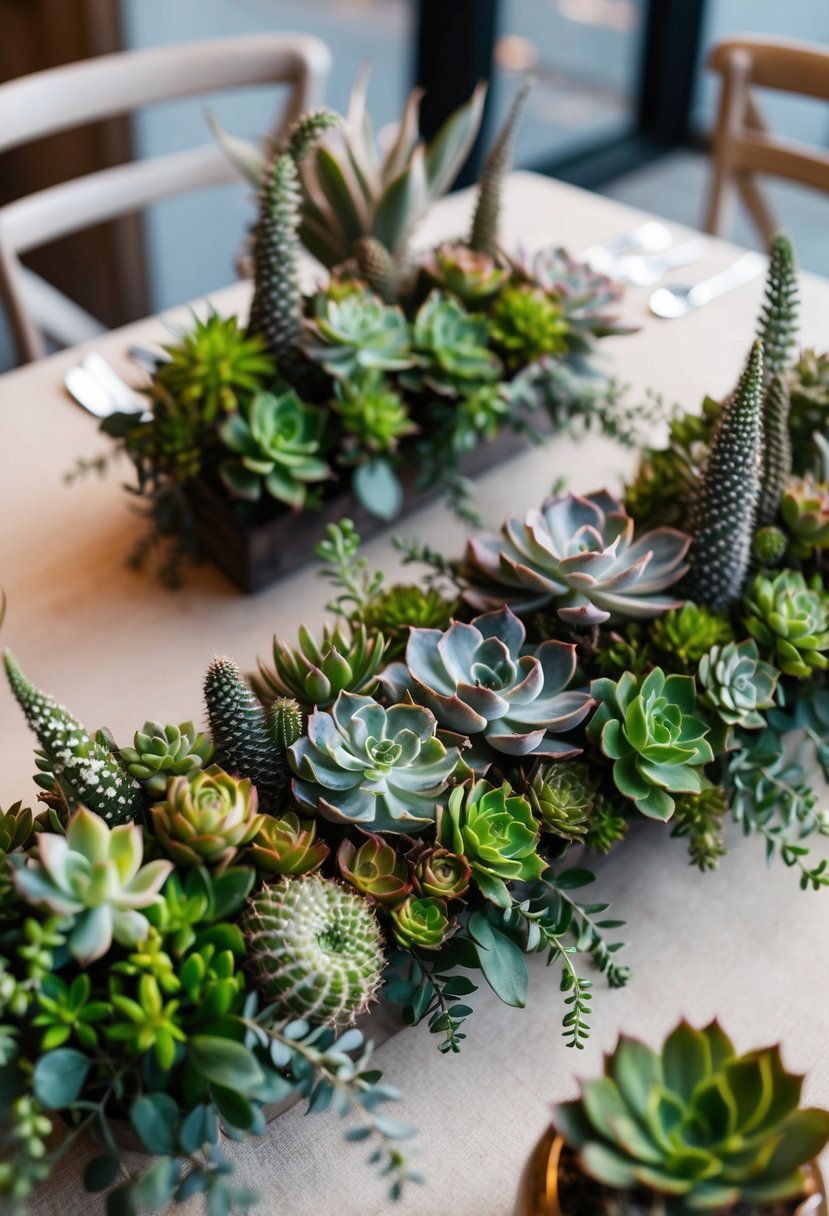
{"type": "Point", "coordinates": [757, 207]}
{"type": "Point", "coordinates": [729, 120]}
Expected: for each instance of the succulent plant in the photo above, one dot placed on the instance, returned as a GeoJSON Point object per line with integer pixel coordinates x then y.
{"type": "Point", "coordinates": [213, 368]}
{"type": "Point", "coordinates": [777, 451]}
{"type": "Point", "coordinates": [287, 846]}
{"type": "Point", "coordinates": [724, 505]}
{"type": "Point", "coordinates": [358, 334]}
{"type": "Point", "coordinates": [16, 827]}
{"type": "Point", "coordinates": [373, 412]}
{"type": "Point", "coordinates": [583, 555]}
{"type": "Point", "coordinates": [250, 740]}
{"type": "Point", "coordinates": [497, 164]}
{"type": "Point", "coordinates": [562, 797]}
{"type": "Point", "coordinates": [777, 324]}
{"type": "Point", "coordinates": [587, 299]}
{"type": "Point", "coordinates": [472, 276]}
{"type": "Point", "coordinates": [699, 819]}
{"type": "Point", "coordinates": [685, 634]}
{"type": "Point", "coordinates": [381, 769]}
{"type": "Point", "coordinates": [437, 872]}
{"type": "Point", "coordinates": [276, 308]}
{"type": "Point", "coordinates": [789, 617]}
{"type": "Point", "coordinates": [737, 684]}
{"type": "Point", "coordinates": [316, 673]}
{"type": "Point", "coordinates": [809, 403]}
{"type": "Point", "coordinates": [287, 722]}
{"type": "Point", "coordinates": [477, 680]}
{"type": "Point", "coordinates": [420, 923]}
{"type": "Point", "coordinates": [378, 268]}
{"type": "Point", "coordinates": [649, 728]}
{"type": "Point", "coordinates": [664, 484]}
{"type": "Point", "coordinates": [206, 818]}
{"type": "Point", "coordinates": [84, 769]}
{"type": "Point", "coordinates": [315, 949]}
{"type": "Point", "coordinates": [170, 443]}
{"type": "Point", "coordinates": [161, 752]}
{"type": "Point", "coordinates": [94, 875]}
{"type": "Point", "coordinates": [527, 324]}
{"type": "Point", "coordinates": [451, 346]}
{"type": "Point", "coordinates": [695, 1123]}
{"type": "Point", "coordinates": [277, 441]}
{"type": "Point", "coordinates": [375, 869]}
{"type": "Point", "coordinates": [769, 545]}
{"type": "Point", "coordinates": [495, 831]}
{"type": "Point", "coordinates": [805, 509]}
{"type": "Point", "coordinates": [393, 611]}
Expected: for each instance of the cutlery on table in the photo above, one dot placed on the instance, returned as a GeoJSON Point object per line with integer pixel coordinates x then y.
{"type": "Point", "coordinates": [677, 300]}
{"type": "Point", "coordinates": [95, 386]}
{"type": "Point", "coordinates": [651, 237]}
{"type": "Point", "coordinates": [147, 360]}
{"type": "Point", "coordinates": [643, 270]}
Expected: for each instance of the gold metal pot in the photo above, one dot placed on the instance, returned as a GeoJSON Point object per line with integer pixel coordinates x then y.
{"type": "Point", "coordinates": [538, 1188]}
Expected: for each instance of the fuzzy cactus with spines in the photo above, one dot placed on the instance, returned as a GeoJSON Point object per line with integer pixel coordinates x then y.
{"type": "Point", "coordinates": [777, 324]}
{"type": "Point", "coordinates": [309, 129]}
{"type": "Point", "coordinates": [376, 266]}
{"type": "Point", "coordinates": [242, 735]}
{"type": "Point", "coordinates": [498, 162]}
{"type": "Point", "coordinates": [724, 505]}
{"type": "Point", "coordinates": [314, 949]}
{"type": "Point", "coordinates": [777, 451]}
{"type": "Point", "coordinates": [287, 722]}
{"type": "Point", "coordinates": [84, 769]}
{"type": "Point", "coordinates": [276, 310]}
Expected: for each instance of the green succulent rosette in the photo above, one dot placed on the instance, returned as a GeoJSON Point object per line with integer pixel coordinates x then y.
{"type": "Point", "coordinates": [685, 634]}
{"type": "Point", "coordinates": [375, 869]}
{"type": "Point", "coordinates": [527, 325]}
{"type": "Point", "coordinates": [649, 728]}
{"type": "Point", "coordinates": [495, 831]}
{"type": "Point", "coordinates": [421, 923]}
{"type": "Point", "coordinates": [404, 606]}
{"type": "Point", "coordinates": [805, 511]}
{"type": "Point", "coordinates": [695, 1124]}
{"type": "Point", "coordinates": [287, 846]}
{"type": "Point", "coordinates": [373, 412]}
{"type": "Point", "coordinates": [358, 334]}
{"type": "Point", "coordinates": [438, 872]}
{"type": "Point", "coordinates": [737, 684]}
{"type": "Point", "coordinates": [206, 818]}
{"type": "Point", "coordinates": [452, 348]}
{"type": "Point", "coordinates": [315, 673]}
{"type": "Point", "coordinates": [161, 752]}
{"type": "Point", "coordinates": [472, 276]}
{"type": "Point", "coordinates": [381, 769]}
{"type": "Point", "coordinates": [562, 797]}
{"type": "Point", "coordinates": [789, 618]}
{"type": "Point", "coordinates": [276, 439]}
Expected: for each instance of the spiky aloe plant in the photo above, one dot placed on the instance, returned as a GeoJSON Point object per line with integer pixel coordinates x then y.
{"type": "Point", "coordinates": [276, 311]}
{"type": "Point", "coordinates": [82, 767]}
{"type": "Point", "coordinates": [724, 505]}
{"type": "Point", "coordinates": [243, 734]}
{"type": "Point", "coordinates": [484, 236]}
{"type": "Point", "coordinates": [315, 949]}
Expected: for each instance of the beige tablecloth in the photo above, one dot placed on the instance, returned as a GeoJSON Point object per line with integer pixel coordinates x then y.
{"type": "Point", "coordinates": [743, 943]}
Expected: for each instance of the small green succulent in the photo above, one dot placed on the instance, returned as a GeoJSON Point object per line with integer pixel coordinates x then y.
{"type": "Point", "coordinates": [685, 634]}
{"type": "Point", "coordinates": [695, 1124]}
{"type": "Point", "coordinates": [649, 728]}
{"type": "Point", "coordinates": [381, 769]}
{"type": "Point", "coordinates": [161, 752]}
{"type": "Point", "coordinates": [346, 660]}
{"type": "Point", "coordinates": [276, 438]}
{"type": "Point", "coordinates": [16, 827]}
{"type": "Point", "coordinates": [452, 347]}
{"type": "Point", "coordinates": [94, 875]}
{"type": "Point", "coordinates": [805, 510]}
{"type": "Point", "coordinates": [562, 797]}
{"type": "Point", "coordinates": [357, 334]}
{"type": "Point", "coordinates": [472, 276]}
{"type": "Point", "coordinates": [67, 1012]}
{"type": "Point", "coordinates": [375, 869]}
{"type": "Point", "coordinates": [737, 684]}
{"type": "Point", "coordinates": [527, 325]}
{"type": "Point", "coordinates": [586, 299]}
{"type": "Point", "coordinates": [438, 872]}
{"type": "Point", "coordinates": [373, 412]}
{"type": "Point", "coordinates": [287, 845]}
{"type": "Point", "coordinates": [214, 367]}
{"type": "Point", "coordinates": [206, 818]}
{"type": "Point", "coordinates": [420, 923]}
{"type": "Point", "coordinates": [769, 545]}
{"type": "Point", "coordinates": [495, 831]}
{"type": "Point", "coordinates": [789, 618]}
{"type": "Point", "coordinates": [315, 949]}
{"type": "Point", "coordinates": [397, 609]}
{"type": "Point", "coordinates": [145, 1021]}
{"type": "Point", "coordinates": [809, 403]}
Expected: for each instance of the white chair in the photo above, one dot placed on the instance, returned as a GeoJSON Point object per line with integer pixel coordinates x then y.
{"type": "Point", "coordinates": [110, 85]}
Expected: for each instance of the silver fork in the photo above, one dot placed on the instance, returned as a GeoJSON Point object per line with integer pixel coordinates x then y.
{"type": "Point", "coordinates": [101, 391]}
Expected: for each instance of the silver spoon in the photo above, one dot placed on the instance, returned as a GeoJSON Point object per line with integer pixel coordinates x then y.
{"type": "Point", "coordinates": [678, 300]}
{"type": "Point", "coordinates": [651, 237]}
{"type": "Point", "coordinates": [643, 270]}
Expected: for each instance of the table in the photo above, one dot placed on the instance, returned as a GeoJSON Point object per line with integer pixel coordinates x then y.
{"type": "Point", "coordinates": [743, 942]}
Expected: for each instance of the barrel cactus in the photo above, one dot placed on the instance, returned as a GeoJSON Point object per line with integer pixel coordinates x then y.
{"type": "Point", "coordinates": [161, 752]}
{"type": "Point", "coordinates": [695, 1124]}
{"type": "Point", "coordinates": [382, 769]}
{"type": "Point", "coordinates": [789, 618]}
{"type": "Point", "coordinates": [582, 555]}
{"type": "Point", "coordinates": [206, 818]}
{"type": "Point", "coordinates": [315, 949]}
{"type": "Point", "coordinates": [476, 680]}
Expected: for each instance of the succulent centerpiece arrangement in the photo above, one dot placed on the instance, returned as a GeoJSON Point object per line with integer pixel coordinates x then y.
{"type": "Point", "coordinates": [382, 381]}
{"type": "Point", "coordinates": [694, 1127]}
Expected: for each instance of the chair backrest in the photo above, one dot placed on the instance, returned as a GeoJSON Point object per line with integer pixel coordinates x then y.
{"type": "Point", "coordinates": [742, 144]}
{"type": "Point", "coordinates": [112, 85]}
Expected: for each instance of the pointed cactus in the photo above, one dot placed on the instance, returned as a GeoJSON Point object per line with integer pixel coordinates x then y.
{"type": "Point", "coordinates": [241, 735]}
{"type": "Point", "coordinates": [484, 237]}
{"type": "Point", "coordinates": [276, 311]}
{"type": "Point", "coordinates": [286, 721]}
{"type": "Point", "coordinates": [308, 129]}
{"type": "Point", "coordinates": [777, 451]}
{"type": "Point", "coordinates": [82, 767]}
{"type": "Point", "coordinates": [777, 324]}
{"type": "Point", "coordinates": [724, 505]}
{"type": "Point", "coordinates": [376, 266]}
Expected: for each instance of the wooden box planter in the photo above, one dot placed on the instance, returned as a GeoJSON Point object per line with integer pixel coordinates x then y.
{"type": "Point", "coordinates": [252, 555]}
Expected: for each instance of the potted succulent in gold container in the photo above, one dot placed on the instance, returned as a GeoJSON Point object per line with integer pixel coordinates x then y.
{"type": "Point", "coordinates": [691, 1128]}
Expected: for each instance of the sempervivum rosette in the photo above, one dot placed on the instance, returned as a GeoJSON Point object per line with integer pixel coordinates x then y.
{"type": "Point", "coordinates": [379, 768]}
{"type": "Point", "coordinates": [476, 681]}
{"type": "Point", "coordinates": [582, 554]}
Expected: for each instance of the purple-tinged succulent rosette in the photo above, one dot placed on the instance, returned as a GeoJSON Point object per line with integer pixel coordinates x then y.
{"type": "Point", "coordinates": [477, 682]}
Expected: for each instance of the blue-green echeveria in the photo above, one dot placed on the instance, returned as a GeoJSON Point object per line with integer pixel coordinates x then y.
{"type": "Point", "coordinates": [94, 875]}
{"type": "Point", "coordinates": [383, 769]}
{"type": "Point", "coordinates": [649, 728]}
{"type": "Point", "coordinates": [737, 683]}
{"type": "Point", "coordinates": [476, 681]}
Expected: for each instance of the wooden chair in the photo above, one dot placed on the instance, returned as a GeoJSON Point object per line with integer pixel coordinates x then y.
{"type": "Point", "coordinates": [742, 144]}
{"type": "Point", "coordinates": [110, 85]}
